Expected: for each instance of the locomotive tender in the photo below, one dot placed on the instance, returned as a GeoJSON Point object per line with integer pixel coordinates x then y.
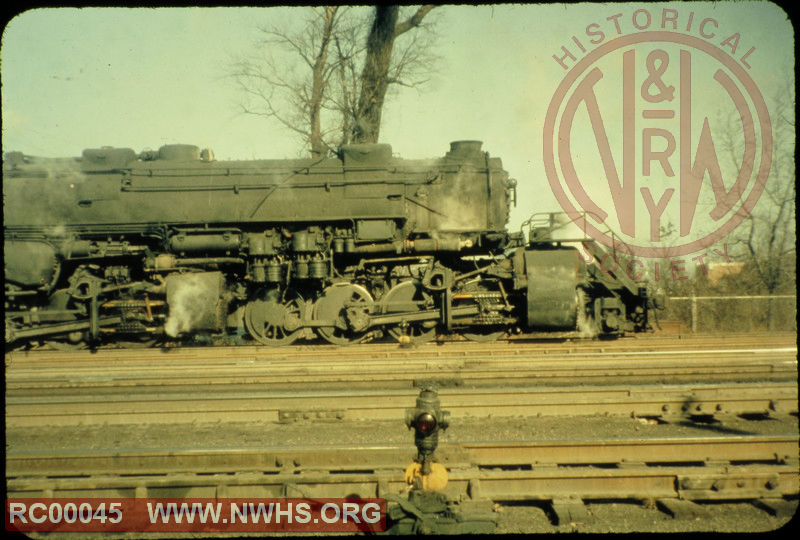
{"type": "Point", "coordinates": [125, 248]}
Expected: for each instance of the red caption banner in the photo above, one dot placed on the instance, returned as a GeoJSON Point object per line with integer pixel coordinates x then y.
{"type": "Point", "coordinates": [190, 515]}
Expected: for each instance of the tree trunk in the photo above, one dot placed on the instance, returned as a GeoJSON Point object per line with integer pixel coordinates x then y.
{"type": "Point", "coordinates": [374, 79]}
{"type": "Point", "coordinates": [318, 148]}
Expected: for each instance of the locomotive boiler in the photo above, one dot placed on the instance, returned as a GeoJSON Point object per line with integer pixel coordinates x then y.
{"type": "Point", "coordinates": [120, 247]}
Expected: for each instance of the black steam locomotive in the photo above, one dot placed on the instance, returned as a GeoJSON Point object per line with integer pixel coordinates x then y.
{"type": "Point", "coordinates": [115, 247]}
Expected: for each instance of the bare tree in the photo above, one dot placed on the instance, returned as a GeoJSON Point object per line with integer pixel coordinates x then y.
{"type": "Point", "coordinates": [312, 80]}
{"type": "Point", "coordinates": [766, 240]}
{"type": "Point", "coordinates": [278, 89]}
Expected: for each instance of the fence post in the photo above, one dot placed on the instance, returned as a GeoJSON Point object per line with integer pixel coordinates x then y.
{"type": "Point", "coordinates": [694, 313]}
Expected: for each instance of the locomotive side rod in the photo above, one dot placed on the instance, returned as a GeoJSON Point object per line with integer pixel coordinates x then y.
{"type": "Point", "coordinates": [434, 314]}
{"type": "Point", "coordinates": [64, 328]}
{"type": "Point", "coordinates": [396, 318]}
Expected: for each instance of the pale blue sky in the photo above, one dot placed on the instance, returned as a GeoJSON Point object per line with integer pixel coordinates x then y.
{"type": "Point", "coordinates": [141, 78]}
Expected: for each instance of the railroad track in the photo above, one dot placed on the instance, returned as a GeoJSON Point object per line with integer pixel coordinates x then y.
{"type": "Point", "coordinates": [240, 384]}
{"type": "Point", "coordinates": [444, 347]}
{"type": "Point", "coordinates": [379, 404]}
{"type": "Point", "coordinates": [654, 379]}
{"type": "Point", "coordinates": [695, 468]}
{"type": "Point", "coordinates": [388, 366]}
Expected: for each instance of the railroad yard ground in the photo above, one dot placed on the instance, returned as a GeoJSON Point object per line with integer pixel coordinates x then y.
{"type": "Point", "coordinates": [513, 517]}
{"type": "Point", "coordinates": [623, 515]}
{"type": "Point", "coordinates": [312, 433]}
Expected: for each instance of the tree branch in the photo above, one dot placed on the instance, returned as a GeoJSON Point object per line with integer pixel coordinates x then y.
{"type": "Point", "coordinates": [413, 21]}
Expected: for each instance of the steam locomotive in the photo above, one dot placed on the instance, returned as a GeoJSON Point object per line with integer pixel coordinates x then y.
{"type": "Point", "coordinates": [119, 247]}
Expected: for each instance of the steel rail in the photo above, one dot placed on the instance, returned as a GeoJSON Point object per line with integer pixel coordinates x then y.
{"type": "Point", "coordinates": [130, 358]}
{"type": "Point", "coordinates": [439, 349]}
{"type": "Point", "coordinates": [399, 368]}
{"type": "Point", "coordinates": [640, 483]}
{"type": "Point", "coordinates": [339, 458]}
{"type": "Point", "coordinates": [708, 468]}
{"type": "Point", "coordinates": [134, 406]}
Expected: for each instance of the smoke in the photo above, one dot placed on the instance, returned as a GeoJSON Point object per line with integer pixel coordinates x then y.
{"type": "Point", "coordinates": [586, 324]}
{"type": "Point", "coordinates": [193, 300]}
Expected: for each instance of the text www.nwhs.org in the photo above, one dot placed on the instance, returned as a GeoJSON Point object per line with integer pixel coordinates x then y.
{"type": "Point", "coordinates": [196, 514]}
{"type": "Point", "coordinates": [265, 513]}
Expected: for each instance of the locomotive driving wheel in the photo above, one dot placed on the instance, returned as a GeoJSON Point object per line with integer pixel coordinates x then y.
{"type": "Point", "coordinates": [344, 306]}
{"type": "Point", "coordinates": [409, 297]}
{"type": "Point", "coordinates": [273, 317]}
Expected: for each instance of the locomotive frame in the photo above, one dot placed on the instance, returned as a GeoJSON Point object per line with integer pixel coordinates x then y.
{"type": "Point", "coordinates": [128, 248]}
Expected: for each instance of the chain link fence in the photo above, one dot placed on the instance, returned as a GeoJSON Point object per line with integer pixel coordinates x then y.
{"type": "Point", "coordinates": [728, 314]}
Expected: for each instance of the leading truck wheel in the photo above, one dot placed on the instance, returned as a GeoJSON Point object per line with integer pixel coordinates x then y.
{"type": "Point", "coordinates": [274, 318]}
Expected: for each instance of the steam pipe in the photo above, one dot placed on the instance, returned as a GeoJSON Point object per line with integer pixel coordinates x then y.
{"type": "Point", "coordinates": [422, 245]}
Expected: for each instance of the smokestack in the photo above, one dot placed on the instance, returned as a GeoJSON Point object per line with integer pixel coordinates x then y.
{"type": "Point", "coordinates": [464, 149]}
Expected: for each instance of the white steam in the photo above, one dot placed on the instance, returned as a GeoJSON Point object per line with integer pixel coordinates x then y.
{"type": "Point", "coordinates": [189, 304]}
{"type": "Point", "coordinates": [586, 324]}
